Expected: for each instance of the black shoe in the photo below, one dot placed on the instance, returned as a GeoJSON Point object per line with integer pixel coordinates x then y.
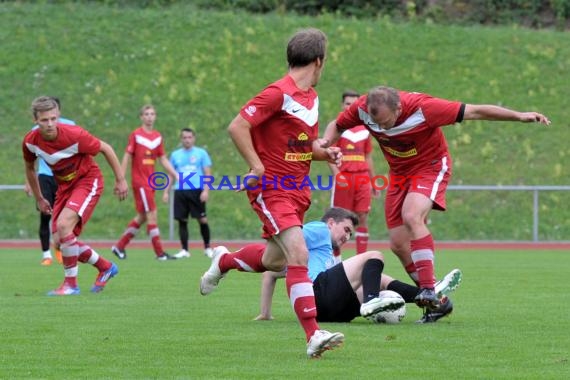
{"type": "Point", "coordinates": [165, 256]}
{"type": "Point", "coordinates": [445, 308]}
{"type": "Point", "coordinates": [427, 298]}
{"type": "Point", "coordinates": [120, 254]}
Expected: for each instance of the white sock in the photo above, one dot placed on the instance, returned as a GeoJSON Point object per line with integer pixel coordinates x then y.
{"type": "Point", "coordinates": [47, 254]}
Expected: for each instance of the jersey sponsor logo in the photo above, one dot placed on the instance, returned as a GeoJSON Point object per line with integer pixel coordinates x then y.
{"type": "Point", "coordinates": [308, 116]}
{"type": "Point", "coordinates": [353, 157]}
{"type": "Point", "coordinates": [410, 153]}
{"type": "Point", "coordinates": [67, 177]}
{"type": "Point", "coordinates": [294, 156]}
{"type": "Point", "coordinates": [147, 143]}
{"type": "Point", "coordinates": [250, 110]}
{"type": "Point", "coordinates": [54, 158]}
{"type": "Point", "coordinates": [302, 140]}
{"type": "Point", "coordinates": [148, 161]}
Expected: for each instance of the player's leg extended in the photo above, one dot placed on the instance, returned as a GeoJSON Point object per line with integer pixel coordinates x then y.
{"type": "Point", "coordinates": [415, 210]}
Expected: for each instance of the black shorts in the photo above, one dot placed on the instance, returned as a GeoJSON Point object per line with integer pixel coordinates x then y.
{"type": "Point", "coordinates": [334, 297]}
{"type": "Point", "coordinates": [48, 187]}
{"type": "Point", "coordinates": [187, 202]}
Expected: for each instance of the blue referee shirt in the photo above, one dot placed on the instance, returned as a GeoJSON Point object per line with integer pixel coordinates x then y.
{"type": "Point", "coordinates": [189, 161]}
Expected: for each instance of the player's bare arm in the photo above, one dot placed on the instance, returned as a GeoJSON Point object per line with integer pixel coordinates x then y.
{"type": "Point", "coordinates": [32, 181]}
{"type": "Point", "coordinates": [239, 130]}
{"type": "Point", "coordinates": [125, 162]}
{"type": "Point", "coordinates": [332, 134]}
{"type": "Point", "coordinates": [496, 113]}
{"type": "Point", "coordinates": [204, 195]}
{"type": "Point", "coordinates": [121, 188]}
{"type": "Point", "coordinates": [331, 154]}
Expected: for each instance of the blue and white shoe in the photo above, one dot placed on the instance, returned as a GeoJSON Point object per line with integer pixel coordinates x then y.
{"type": "Point", "coordinates": [104, 277]}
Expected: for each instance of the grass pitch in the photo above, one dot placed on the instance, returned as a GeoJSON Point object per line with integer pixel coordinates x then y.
{"type": "Point", "coordinates": [510, 321]}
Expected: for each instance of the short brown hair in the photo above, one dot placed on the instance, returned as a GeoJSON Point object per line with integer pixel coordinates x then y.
{"type": "Point", "coordinates": [43, 104]}
{"type": "Point", "coordinates": [305, 47]}
{"type": "Point", "coordinates": [338, 214]}
{"type": "Point", "coordinates": [382, 95]}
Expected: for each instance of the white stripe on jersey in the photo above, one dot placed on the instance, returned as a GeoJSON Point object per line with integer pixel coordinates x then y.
{"type": "Point", "coordinates": [308, 116]}
{"type": "Point", "coordinates": [417, 118]}
{"type": "Point", "coordinates": [54, 158]}
{"type": "Point", "coordinates": [150, 144]}
{"type": "Point", "coordinates": [355, 136]}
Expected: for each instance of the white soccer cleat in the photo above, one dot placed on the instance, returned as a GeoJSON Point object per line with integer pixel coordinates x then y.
{"type": "Point", "coordinates": [182, 254]}
{"type": "Point", "coordinates": [213, 275]}
{"type": "Point", "coordinates": [208, 252]}
{"type": "Point", "coordinates": [322, 341]}
{"type": "Point", "coordinates": [449, 283]}
{"type": "Point", "coordinates": [379, 304]}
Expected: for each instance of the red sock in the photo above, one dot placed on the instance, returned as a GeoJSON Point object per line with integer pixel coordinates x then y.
{"type": "Point", "coordinates": [423, 255]}
{"type": "Point", "coordinates": [361, 239]}
{"type": "Point", "coordinates": [89, 256]}
{"type": "Point", "coordinates": [247, 259]}
{"type": "Point", "coordinates": [70, 252]}
{"type": "Point", "coordinates": [411, 271]}
{"type": "Point", "coordinates": [130, 232]}
{"type": "Point", "coordinates": [302, 297]}
{"type": "Point", "coordinates": [154, 233]}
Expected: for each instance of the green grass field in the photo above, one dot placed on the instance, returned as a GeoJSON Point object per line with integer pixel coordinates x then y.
{"type": "Point", "coordinates": [199, 67]}
{"type": "Point", "coordinates": [510, 322]}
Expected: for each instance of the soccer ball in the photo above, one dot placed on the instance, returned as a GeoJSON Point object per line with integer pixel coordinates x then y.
{"type": "Point", "coordinates": [394, 311]}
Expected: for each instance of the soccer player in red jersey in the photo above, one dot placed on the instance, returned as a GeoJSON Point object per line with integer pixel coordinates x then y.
{"type": "Point", "coordinates": [352, 192]}
{"type": "Point", "coordinates": [68, 150]}
{"type": "Point", "coordinates": [145, 146]}
{"type": "Point", "coordinates": [276, 133]}
{"type": "Point", "coordinates": [407, 128]}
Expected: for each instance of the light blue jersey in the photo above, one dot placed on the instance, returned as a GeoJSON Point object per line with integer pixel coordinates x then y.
{"type": "Point", "coordinates": [43, 167]}
{"type": "Point", "coordinates": [318, 239]}
{"type": "Point", "coordinates": [190, 164]}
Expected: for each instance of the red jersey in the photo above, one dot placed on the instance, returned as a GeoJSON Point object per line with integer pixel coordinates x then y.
{"type": "Point", "coordinates": [416, 139]}
{"type": "Point", "coordinates": [354, 144]}
{"type": "Point", "coordinates": [284, 123]}
{"type": "Point", "coordinates": [145, 147]}
{"type": "Point", "coordinates": [69, 156]}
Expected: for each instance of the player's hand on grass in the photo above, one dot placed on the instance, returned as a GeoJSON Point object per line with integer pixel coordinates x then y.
{"type": "Point", "coordinates": [263, 317]}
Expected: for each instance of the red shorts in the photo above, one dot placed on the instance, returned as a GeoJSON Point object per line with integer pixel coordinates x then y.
{"type": "Point", "coordinates": [82, 197]}
{"type": "Point", "coordinates": [144, 199]}
{"type": "Point", "coordinates": [431, 182]}
{"type": "Point", "coordinates": [279, 209]}
{"type": "Point", "coordinates": [352, 194]}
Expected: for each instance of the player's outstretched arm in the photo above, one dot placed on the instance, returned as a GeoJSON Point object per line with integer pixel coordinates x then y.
{"type": "Point", "coordinates": [121, 188]}
{"type": "Point", "coordinates": [497, 113]}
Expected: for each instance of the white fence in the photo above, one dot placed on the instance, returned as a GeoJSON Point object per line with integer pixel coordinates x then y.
{"type": "Point", "coordinates": [535, 190]}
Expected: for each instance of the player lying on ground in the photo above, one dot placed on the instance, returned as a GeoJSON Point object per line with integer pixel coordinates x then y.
{"type": "Point", "coordinates": [356, 282]}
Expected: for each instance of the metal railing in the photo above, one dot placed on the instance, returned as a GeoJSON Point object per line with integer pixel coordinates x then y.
{"type": "Point", "coordinates": [534, 189]}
